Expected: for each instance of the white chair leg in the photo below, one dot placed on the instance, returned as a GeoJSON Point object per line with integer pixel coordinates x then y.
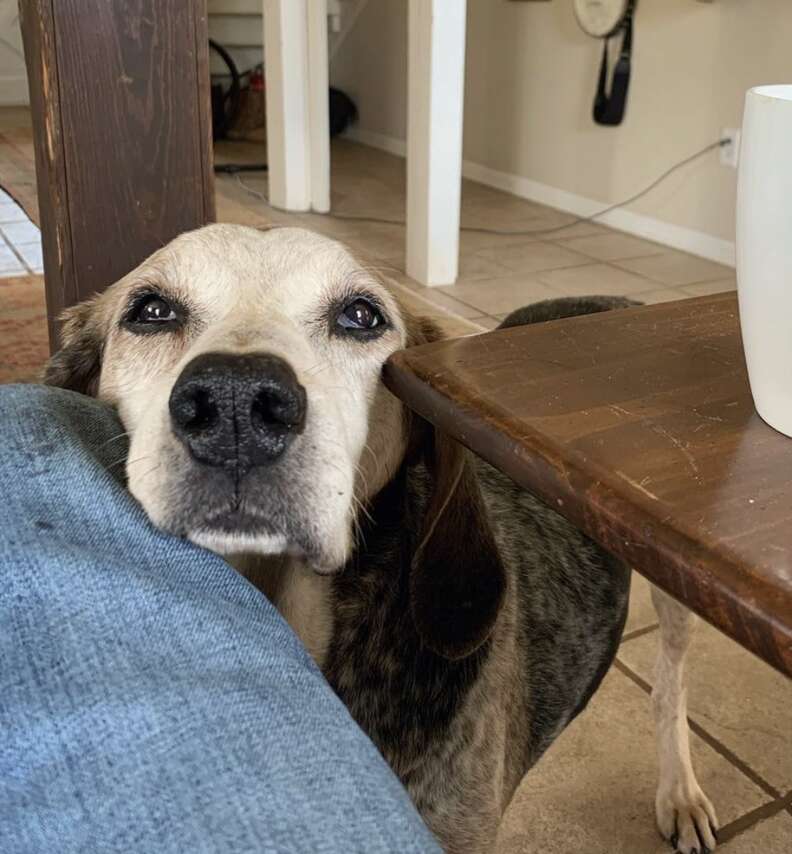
{"type": "Point", "coordinates": [436, 78]}
{"type": "Point", "coordinates": [288, 124]}
{"type": "Point", "coordinates": [318, 87]}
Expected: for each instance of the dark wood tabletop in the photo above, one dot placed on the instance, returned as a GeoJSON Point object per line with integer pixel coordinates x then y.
{"type": "Point", "coordinates": [638, 426]}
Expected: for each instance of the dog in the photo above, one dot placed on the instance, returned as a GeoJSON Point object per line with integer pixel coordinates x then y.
{"type": "Point", "coordinates": [463, 622]}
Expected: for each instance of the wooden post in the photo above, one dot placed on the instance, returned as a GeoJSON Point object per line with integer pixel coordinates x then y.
{"type": "Point", "coordinates": [119, 93]}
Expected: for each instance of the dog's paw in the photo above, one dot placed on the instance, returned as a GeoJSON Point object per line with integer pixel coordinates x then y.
{"type": "Point", "coordinates": [687, 820]}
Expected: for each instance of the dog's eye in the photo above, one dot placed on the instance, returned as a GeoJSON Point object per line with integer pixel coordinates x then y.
{"type": "Point", "coordinates": [360, 314]}
{"type": "Point", "coordinates": [153, 309]}
{"type": "Point", "coordinates": [151, 313]}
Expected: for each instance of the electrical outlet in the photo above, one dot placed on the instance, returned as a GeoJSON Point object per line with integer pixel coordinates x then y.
{"type": "Point", "coordinates": [730, 153]}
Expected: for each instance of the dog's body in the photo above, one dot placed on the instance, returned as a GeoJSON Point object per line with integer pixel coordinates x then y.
{"type": "Point", "coordinates": [462, 733]}
{"type": "Point", "coordinates": [463, 622]}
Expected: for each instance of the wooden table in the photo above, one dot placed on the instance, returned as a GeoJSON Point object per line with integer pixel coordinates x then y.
{"type": "Point", "coordinates": [638, 426]}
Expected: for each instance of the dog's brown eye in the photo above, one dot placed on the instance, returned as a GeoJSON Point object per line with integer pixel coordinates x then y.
{"type": "Point", "coordinates": [149, 313]}
{"type": "Point", "coordinates": [360, 314]}
{"type": "Point", "coordinates": [153, 309]}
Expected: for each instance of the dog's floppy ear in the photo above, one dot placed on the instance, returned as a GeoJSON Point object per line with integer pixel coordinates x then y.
{"type": "Point", "coordinates": [77, 364]}
{"type": "Point", "coordinates": [457, 580]}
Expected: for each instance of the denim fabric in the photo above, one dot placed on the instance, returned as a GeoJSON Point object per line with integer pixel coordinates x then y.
{"type": "Point", "coordinates": [151, 699]}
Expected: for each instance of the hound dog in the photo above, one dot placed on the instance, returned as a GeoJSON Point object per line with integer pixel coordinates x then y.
{"type": "Point", "coordinates": [462, 621]}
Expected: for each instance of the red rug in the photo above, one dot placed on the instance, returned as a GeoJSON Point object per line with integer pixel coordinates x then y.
{"type": "Point", "coordinates": [24, 345]}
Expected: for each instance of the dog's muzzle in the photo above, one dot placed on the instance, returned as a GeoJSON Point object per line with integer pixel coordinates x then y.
{"type": "Point", "coordinates": [237, 411]}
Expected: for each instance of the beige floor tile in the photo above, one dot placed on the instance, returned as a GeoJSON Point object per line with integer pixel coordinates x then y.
{"type": "Point", "coordinates": [534, 256]}
{"type": "Point", "coordinates": [420, 306]}
{"type": "Point", "coordinates": [772, 836]}
{"type": "Point", "coordinates": [577, 229]}
{"type": "Point", "coordinates": [676, 268]}
{"type": "Point", "coordinates": [735, 697]}
{"type": "Point", "coordinates": [702, 289]}
{"type": "Point", "coordinates": [551, 226]}
{"type": "Point", "coordinates": [331, 226]}
{"type": "Point", "coordinates": [613, 247]}
{"type": "Point", "coordinates": [471, 242]}
{"type": "Point", "coordinates": [594, 279]}
{"type": "Point", "coordinates": [236, 205]}
{"type": "Point", "coordinates": [499, 296]}
{"type": "Point", "coordinates": [382, 241]}
{"type": "Point", "coordinates": [439, 298]}
{"type": "Point", "coordinates": [642, 612]}
{"type": "Point", "coordinates": [475, 194]}
{"type": "Point", "coordinates": [455, 327]}
{"type": "Point", "coordinates": [478, 266]}
{"type": "Point", "coordinates": [663, 295]}
{"type": "Point", "coordinates": [471, 266]}
{"type": "Point", "coordinates": [594, 790]}
{"type": "Point", "coordinates": [489, 323]}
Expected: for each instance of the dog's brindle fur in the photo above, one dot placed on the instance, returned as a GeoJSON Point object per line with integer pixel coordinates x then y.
{"type": "Point", "coordinates": [471, 624]}
{"type": "Point", "coordinates": [461, 733]}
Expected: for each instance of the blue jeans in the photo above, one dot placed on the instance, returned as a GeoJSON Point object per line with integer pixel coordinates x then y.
{"type": "Point", "coordinates": [151, 699]}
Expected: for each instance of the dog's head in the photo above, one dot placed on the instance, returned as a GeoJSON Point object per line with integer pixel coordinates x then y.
{"type": "Point", "coordinates": [245, 366]}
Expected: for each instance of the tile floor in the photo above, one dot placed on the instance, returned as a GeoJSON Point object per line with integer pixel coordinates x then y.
{"type": "Point", "coordinates": [20, 241]}
{"type": "Point", "coordinates": [593, 792]}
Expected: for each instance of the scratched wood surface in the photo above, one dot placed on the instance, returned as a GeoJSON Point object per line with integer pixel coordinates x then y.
{"type": "Point", "coordinates": [638, 426]}
{"type": "Point", "coordinates": [121, 118]}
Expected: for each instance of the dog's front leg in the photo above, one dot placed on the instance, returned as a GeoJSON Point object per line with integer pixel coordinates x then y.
{"type": "Point", "coordinates": [685, 815]}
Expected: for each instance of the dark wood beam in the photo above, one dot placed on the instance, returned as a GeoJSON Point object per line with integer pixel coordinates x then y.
{"type": "Point", "coordinates": [119, 93]}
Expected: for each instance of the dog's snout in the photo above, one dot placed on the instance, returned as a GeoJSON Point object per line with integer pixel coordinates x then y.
{"type": "Point", "coordinates": [238, 411]}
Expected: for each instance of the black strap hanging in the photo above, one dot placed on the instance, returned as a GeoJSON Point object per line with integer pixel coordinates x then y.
{"type": "Point", "coordinates": [609, 107]}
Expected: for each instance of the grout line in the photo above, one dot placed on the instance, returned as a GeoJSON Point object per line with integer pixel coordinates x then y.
{"type": "Point", "coordinates": [637, 633]}
{"type": "Point", "coordinates": [437, 307]}
{"type": "Point", "coordinates": [753, 817]}
{"type": "Point", "coordinates": [717, 745]}
{"type": "Point", "coordinates": [13, 248]}
{"type": "Point", "coordinates": [481, 312]}
{"type": "Point", "coordinates": [10, 245]}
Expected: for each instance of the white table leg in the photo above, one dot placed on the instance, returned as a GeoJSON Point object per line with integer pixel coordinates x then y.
{"type": "Point", "coordinates": [288, 123]}
{"type": "Point", "coordinates": [436, 79]}
{"type": "Point", "coordinates": [318, 87]}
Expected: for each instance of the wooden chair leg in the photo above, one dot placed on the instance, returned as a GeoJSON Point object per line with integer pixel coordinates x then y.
{"type": "Point", "coordinates": [120, 102]}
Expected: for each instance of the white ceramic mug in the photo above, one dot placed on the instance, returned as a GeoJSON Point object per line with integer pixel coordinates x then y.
{"type": "Point", "coordinates": [764, 250]}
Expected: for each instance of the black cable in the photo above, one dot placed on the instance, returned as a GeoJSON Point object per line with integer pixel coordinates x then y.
{"type": "Point", "coordinates": [233, 168]}
{"type": "Point", "coordinates": [522, 233]}
{"type": "Point", "coordinates": [232, 97]}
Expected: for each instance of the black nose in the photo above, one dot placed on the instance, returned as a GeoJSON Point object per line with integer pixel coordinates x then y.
{"type": "Point", "coordinates": [237, 411]}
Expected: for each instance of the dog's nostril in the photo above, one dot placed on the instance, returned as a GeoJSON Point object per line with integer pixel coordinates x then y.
{"type": "Point", "coordinates": [278, 408]}
{"type": "Point", "coordinates": [200, 411]}
{"type": "Point", "coordinates": [194, 409]}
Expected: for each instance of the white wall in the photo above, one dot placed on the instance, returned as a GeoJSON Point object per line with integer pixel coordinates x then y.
{"type": "Point", "coordinates": [530, 82]}
{"type": "Point", "coordinates": [13, 78]}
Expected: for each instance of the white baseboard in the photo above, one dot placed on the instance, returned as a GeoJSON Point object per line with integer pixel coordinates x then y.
{"type": "Point", "coordinates": [377, 140]}
{"type": "Point", "coordinates": [676, 236]}
{"type": "Point", "coordinates": [14, 91]}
